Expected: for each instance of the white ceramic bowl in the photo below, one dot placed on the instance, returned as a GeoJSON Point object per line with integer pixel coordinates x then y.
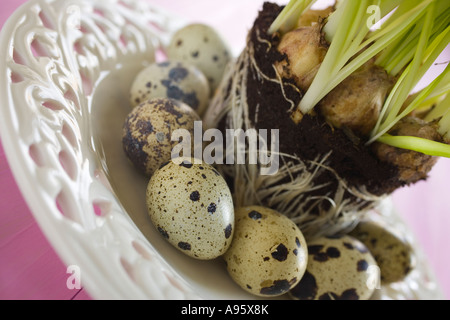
{"type": "Point", "coordinates": [65, 71]}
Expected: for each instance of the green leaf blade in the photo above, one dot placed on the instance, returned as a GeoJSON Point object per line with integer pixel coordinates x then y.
{"type": "Point", "coordinates": [425, 146]}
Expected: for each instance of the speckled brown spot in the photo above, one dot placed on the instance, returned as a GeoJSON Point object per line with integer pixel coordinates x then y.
{"type": "Point", "coordinates": [306, 289]}
{"type": "Point", "coordinates": [333, 252]}
{"type": "Point", "coordinates": [278, 287]}
{"type": "Point", "coordinates": [321, 257]}
{"type": "Point", "coordinates": [362, 265]}
{"type": "Point", "coordinates": [228, 230]}
{"type": "Point", "coordinates": [184, 246]}
{"type": "Point", "coordinates": [329, 296]}
{"type": "Point", "coordinates": [186, 164]}
{"type": "Point", "coordinates": [314, 249]}
{"type": "Point", "coordinates": [178, 73]}
{"type": "Point", "coordinates": [133, 149]}
{"type": "Point", "coordinates": [255, 215]}
{"type": "Point", "coordinates": [174, 92]}
{"type": "Point", "coordinates": [212, 207]}
{"type": "Point", "coordinates": [163, 233]}
{"type": "Point", "coordinates": [170, 106]}
{"type": "Point", "coordinates": [280, 253]}
{"type": "Point", "coordinates": [194, 196]}
{"type": "Point", "coordinates": [349, 294]}
{"type": "Point", "coordinates": [348, 245]}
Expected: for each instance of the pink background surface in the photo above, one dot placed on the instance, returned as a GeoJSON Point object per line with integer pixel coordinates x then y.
{"type": "Point", "coordinates": [30, 268]}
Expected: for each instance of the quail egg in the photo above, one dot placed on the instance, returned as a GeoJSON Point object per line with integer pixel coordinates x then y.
{"type": "Point", "coordinates": [191, 205]}
{"type": "Point", "coordinates": [392, 253]}
{"type": "Point", "coordinates": [339, 268]}
{"type": "Point", "coordinates": [171, 79]}
{"type": "Point", "coordinates": [268, 254]}
{"type": "Point", "coordinates": [146, 135]}
{"type": "Point", "coordinates": [202, 46]}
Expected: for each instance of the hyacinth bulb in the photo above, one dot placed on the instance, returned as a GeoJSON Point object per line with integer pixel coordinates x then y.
{"type": "Point", "coordinates": [305, 50]}
{"type": "Point", "coordinates": [357, 101]}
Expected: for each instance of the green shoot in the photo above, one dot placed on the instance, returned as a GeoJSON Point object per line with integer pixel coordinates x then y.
{"type": "Point", "coordinates": [290, 15]}
{"type": "Point", "coordinates": [413, 105]}
{"type": "Point", "coordinates": [440, 108]}
{"type": "Point", "coordinates": [343, 35]}
{"type": "Point", "coordinates": [394, 109]}
{"type": "Point", "coordinates": [352, 44]}
{"type": "Point", "coordinates": [407, 80]}
{"type": "Point", "coordinates": [439, 98]}
{"type": "Point", "coordinates": [425, 146]}
{"type": "Point", "coordinates": [398, 55]}
{"type": "Point", "coordinates": [377, 41]}
{"type": "Point", "coordinates": [410, 39]}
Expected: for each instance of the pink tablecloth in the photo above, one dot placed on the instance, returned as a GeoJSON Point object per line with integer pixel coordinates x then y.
{"type": "Point", "coordinates": [30, 268]}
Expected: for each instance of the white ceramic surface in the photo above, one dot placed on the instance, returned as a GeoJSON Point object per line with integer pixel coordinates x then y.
{"type": "Point", "coordinates": [65, 68]}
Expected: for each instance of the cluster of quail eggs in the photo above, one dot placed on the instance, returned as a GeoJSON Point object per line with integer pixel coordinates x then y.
{"type": "Point", "coordinates": [188, 201]}
{"type": "Point", "coordinates": [172, 94]}
{"type": "Point", "coordinates": [353, 266]}
{"type": "Point", "coordinates": [269, 257]}
{"type": "Point", "coordinates": [191, 205]}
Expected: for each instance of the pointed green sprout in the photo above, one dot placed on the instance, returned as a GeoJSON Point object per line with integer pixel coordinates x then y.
{"type": "Point", "coordinates": [412, 35]}
{"type": "Point", "coordinates": [438, 100]}
{"type": "Point", "coordinates": [288, 18]}
{"type": "Point", "coordinates": [352, 44]}
{"type": "Point", "coordinates": [433, 37]}
{"type": "Point", "coordinates": [421, 145]}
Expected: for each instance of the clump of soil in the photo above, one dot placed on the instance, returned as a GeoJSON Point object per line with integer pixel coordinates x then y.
{"type": "Point", "coordinates": [350, 158]}
{"type": "Point", "coordinates": [270, 102]}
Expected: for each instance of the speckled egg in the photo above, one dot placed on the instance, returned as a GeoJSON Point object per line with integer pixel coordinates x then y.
{"type": "Point", "coordinates": [146, 135]}
{"type": "Point", "coordinates": [268, 254]}
{"type": "Point", "coordinates": [339, 268]}
{"type": "Point", "coordinates": [191, 206]}
{"type": "Point", "coordinates": [392, 253]}
{"type": "Point", "coordinates": [202, 46]}
{"type": "Point", "coordinates": [171, 79]}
